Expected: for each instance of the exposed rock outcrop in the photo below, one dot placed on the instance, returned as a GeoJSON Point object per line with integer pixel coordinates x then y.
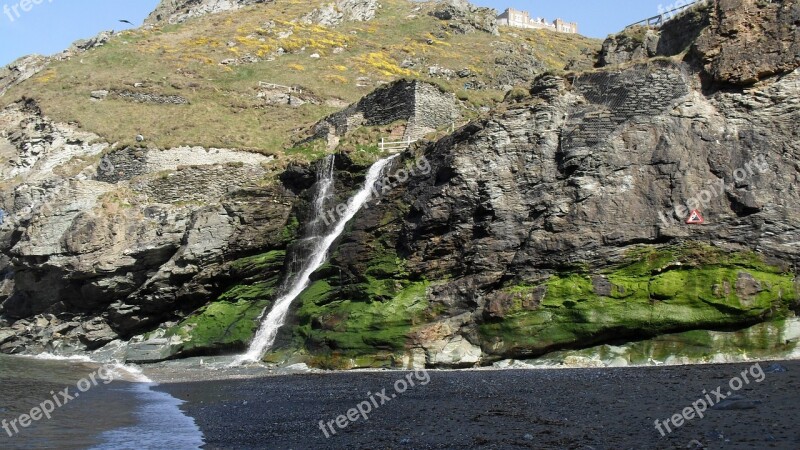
{"type": "Point", "coordinates": [733, 42]}
{"type": "Point", "coordinates": [734, 51]}
{"type": "Point", "coordinates": [464, 17]}
{"type": "Point", "coordinates": [634, 44]}
{"type": "Point", "coordinates": [126, 242]}
{"type": "Point", "coordinates": [28, 66]}
{"type": "Point", "coordinates": [177, 11]}
{"type": "Point", "coordinates": [674, 37]}
{"type": "Point", "coordinates": [333, 14]}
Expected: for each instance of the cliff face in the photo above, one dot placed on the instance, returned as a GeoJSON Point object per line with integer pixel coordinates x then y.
{"type": "Point", "coordinates": [560, 222]}
{"type": "Point", "coordinates": [730, 41]}
{"type": "Point", "coordinates": [99, 249]}
{"type": "Point", "coordinates": [750, 40]}
{"type": "Point", "coordinates": [555, 220]}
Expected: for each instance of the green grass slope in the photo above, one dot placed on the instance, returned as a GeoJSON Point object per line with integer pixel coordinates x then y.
{"type": "Point", "coordinates": [223, 109]}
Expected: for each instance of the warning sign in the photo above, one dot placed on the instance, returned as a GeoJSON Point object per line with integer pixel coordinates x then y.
{"type": "Point", "coordinates": [695, 218]}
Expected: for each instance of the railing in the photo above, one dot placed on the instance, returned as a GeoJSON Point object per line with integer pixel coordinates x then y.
{"type": "Point", "coordinates": [666, 16]}
{"type": "Point", "coordinates": [266, 85]}
{"type": "Point", "coordinates": [385, 145]}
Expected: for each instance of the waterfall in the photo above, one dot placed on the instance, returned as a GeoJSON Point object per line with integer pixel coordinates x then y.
{"type": "Point", "coordinates": [324, 191]}
{"type": "Point", "coordinates": [321, 241]}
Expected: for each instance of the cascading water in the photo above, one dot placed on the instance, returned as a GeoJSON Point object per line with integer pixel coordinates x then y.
{"type": "Point", "coordinates": [321, 241]}
{"type": "Point", "coordinates": [314, 231]}
{"type": "Point", "coordinates": [324, 191]}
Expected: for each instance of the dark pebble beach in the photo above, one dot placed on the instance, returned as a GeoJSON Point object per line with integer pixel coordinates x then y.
{"type": "Point", "coordinates": [538, 409]}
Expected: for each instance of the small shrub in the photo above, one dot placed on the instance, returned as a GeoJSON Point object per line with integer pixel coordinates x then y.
{"type": "Point", "coordinates": [517, 95]}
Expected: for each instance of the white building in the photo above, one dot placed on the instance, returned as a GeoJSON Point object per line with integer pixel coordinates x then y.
{"type": "Point", "coordinates": [521, 19]}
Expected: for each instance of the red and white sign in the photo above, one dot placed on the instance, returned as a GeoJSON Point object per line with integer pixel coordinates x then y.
{"type": "Point", "coordinates": [695, 218]}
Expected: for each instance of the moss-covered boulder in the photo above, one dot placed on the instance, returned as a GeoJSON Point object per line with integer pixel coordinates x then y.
{"type": "Point", "coordinates": [219, 326]}
{"type": "Point", "coordinates": [359, 327]}
{"type": "Point", "coordinates": [654, 291]}
{"type": "Point", "coordinates": [769, 340]}
{"type": "Point", "coordinates": [228, 324]}
{"type": "Point", "coordinates": [360, 319]}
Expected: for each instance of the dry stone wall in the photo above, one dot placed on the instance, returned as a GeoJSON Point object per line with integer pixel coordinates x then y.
{"type": "Point", "coordinates": [616, 97]}
{"type": "Point", "coordinates": [426, 108]}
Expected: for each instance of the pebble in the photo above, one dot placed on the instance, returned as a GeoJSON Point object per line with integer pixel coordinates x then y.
{"type": "Point", "coordinates": [736, 402]}
{"type": "Point", "coordinates": [775, 368]}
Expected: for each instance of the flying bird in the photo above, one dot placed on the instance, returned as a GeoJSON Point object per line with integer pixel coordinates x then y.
{"type": "Point", "coordinates": [126, 21]}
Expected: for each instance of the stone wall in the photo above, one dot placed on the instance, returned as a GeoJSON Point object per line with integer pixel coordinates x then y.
{"type": "Point", "coordinates": [617, 97]}
{"type": "Point", "coordinates": [426, 108]}
{"type": "Point", "coordinates": [433, 109]}
{"type": "Point", "coordinates": [201, 184]}
{"type": "Point", "coordinates": [125, 164]}
{"type": "Point", "coordinates": [143, 97]}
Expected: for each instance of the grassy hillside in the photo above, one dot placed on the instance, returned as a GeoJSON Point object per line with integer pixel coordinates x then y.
{"type": "Point", "coordinates": [224, 111]}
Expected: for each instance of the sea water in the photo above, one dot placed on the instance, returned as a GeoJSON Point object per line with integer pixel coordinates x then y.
{"type": "Point", "coordinates": [97, 411]}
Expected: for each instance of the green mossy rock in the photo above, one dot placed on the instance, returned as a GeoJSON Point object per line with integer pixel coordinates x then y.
{"type": "Point", "coordinates": [229, 323]}
{"type": "Point", "coordinates": [220, 326]}
{"type": "Point", "coordinates": [654, 291]}
{"type": "Point", "coordinates": [359, 328]}
{"type": "Point", "coordinates": [769, 340]}
{"type": "Point", "coordinates": [366, 323]}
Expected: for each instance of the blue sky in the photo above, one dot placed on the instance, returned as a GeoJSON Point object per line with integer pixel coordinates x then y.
{"type": "Point", "coordinates": [51, 25]}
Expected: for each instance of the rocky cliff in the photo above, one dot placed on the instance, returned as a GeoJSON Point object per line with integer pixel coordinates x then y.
{"type": "Point", "coordinates": [100, 248]}
{"type": "Point", "coordinates": [559, 221]}
{"type": "Point", "coordinates": [729, 42]}
{"type": "Point", "coordinates": [554, 220]}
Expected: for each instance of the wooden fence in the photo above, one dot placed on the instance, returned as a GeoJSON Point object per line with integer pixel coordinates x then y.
{"type": "Point", "coordinates": [266, 85]}
{"type": "Point", "coordinates": [385, 145]}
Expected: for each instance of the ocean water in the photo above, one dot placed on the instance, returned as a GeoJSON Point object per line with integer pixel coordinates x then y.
{"type": "Point", "coordinates": [102, 408]}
